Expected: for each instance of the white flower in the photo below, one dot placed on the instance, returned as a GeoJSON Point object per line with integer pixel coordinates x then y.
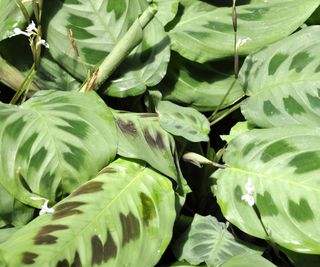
{"type": "Point", "coordinates": [242, 41]}
{"type": "Point", "coordinates": [42, 42]}
{"type": "Point", "coordinates": [17, 31]}
{"type": "Point", "coordinates": [45, 209]}
{"type": "Point", "coordinates": [249, 196]}
{"type": "Point", "coordinates": [31, 29]}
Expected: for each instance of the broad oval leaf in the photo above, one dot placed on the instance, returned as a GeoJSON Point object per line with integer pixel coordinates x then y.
{"type": "Point", "coordinates": [207, 240]}
{"type": "Point", "coordinates": [141, 137]}
{"type": "Point", "coordinates": [183, 121]}
{"type": "Point", "coordinates": [96, 27]}
{"type": "Point", "coordinates": [128, 208]}
{"type": "Point", "coordinates": [201, 86]}
{"type": "Point", "coordinates": [283, 81]}
{"type": "Point", "coordinates": [11, 17]}
{"type": "Point", "coordinates": [205, 32]}
{"type": "Point", "coordinates": [283, 165]}
{"type": "Point", "coordinates": [54, 142]}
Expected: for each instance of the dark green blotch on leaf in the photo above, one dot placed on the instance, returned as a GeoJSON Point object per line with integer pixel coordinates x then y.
{"type": "Point", "coordinates": [127, 127]}
{"type": "Point", "coordinates": [269, 109]}
{"type": "Point", "coordinates": [117, 6]}
{"type": "Point", "coordinates": [275, 62]}
{"type": "Point", "coordinates": [67, 209]}
{"type": "Point", "coordinates": [300, 61]}
{"type": "Point", "coordinates": [300, 211]}
{"type": "Point", "coordinates": [266, 205]}
{"type": "Point", "coordinates": [276, 149]}
{"type": "Point", "coordinates": [148, 208]}
{"type": "Point", "coordinates": [306, 162]}
{"type": "Point", "coordinates": [292, 106]}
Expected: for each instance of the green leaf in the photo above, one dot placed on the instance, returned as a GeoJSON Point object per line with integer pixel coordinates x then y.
{"type": "Point", "coordinates": [239, 128]}
{"type": "Point", "coordinates": [6, 233]}
{"type": "Point", "coordinates": [283, 165]}
{"type": "Point", "coordinates": [12, 211]}
{"type": "Point", "coordinates": [54, 142]}
{"type": "Point", "coordinates": [141, 137]}
{"type": "Point", "coordinates": [283, 81]}
{"type": "Point", "coordinates": [201, 86]}
{"type": "Point", "coordinates": [128, 208]}
{"type": "Point", "coordinates": [245, 260]}
{"type": "Point", "coordinates": [302, 260]}
{"type": "Point", "coordinates": [205, 32]}
{"type": "Point", "coordinates": [97, 27]}
{"type": "Point", "coordinates": [167, 10]}
{"type": "Point", "coordinates": [182, 121]}
{"type": "Point", "coordinates": [207, 240]}
{"type": "Point", "coordinates": [10, 17]}
{"type": "Point", "coordinates": [183, 264]}
{"type": "Point", "coordinates": [50, 76]}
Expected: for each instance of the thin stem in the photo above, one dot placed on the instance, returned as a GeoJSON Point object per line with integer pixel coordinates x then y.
{"type": "Point", "coordinates": [222, 101]}
{"type": "Point", "coordinates": [25, 85]}
{"type": "Point", "coordinates": [235, 107]}
{"type": "Point", "coordinates": [235, 29]}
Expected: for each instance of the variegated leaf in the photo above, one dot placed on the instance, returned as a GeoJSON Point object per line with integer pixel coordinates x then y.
{"type": "Point", "coordinates": [207, 240]}
{"type": "Point", "coordinates": [283, 165]}
{"type": "Point", "coordinates": [183, 121]}
{"type": "Point", "coordinates": [283, 81]}
{"type": "Point", "coordinates": [141, 137]}
{"type": "Point", "coordinates": [200, 86]}
{"type": "Point", "coordinates": [11, 17]}
{"type": "Point", "coordinates": [54, 142]}
{"type": "Point", "coordinates": [129, 207]}
{"type": "Point", "coordinates": [96, 27]}
{"type": "Point", "coordinates": [205, 32]}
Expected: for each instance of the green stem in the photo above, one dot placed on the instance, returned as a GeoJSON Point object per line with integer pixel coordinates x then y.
{"type": "Point", "coordinates": [226, 113]}
{"type": "Point", "coordinates": [12, 77]}
{"type": "Point", "coordinates": [121, 50]}
{"type": "Point", "coordinates": [25, 85]}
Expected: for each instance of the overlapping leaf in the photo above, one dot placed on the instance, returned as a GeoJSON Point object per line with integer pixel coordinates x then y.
{"type": "Point", "coordinates": [201, 86]}
{"type": "Point", "coordinates": [283, 81]}
{"type": "Point", "coordinates": [205, 32]}
{"type": "Point", "coordinates": [283, 165]}
{"type": "Point", "coordinates": [167, 9]}
{"type": "Point", "coordinates": [141, 137]}
{"type": "Point", "coordinates": [96, 27]}
{"type": "Point", "coordinates": [10, 17]}
{"type": "Point", "coordinates": [245, 260]}
{"type": "Point", "coordinates": [183, 121]}
{"type": "Point", "coordinates": [54, 142]}
{"type": "Point", "coordinates": [207, 240]}
{"type": "Point", "coordinates": [122, 217]}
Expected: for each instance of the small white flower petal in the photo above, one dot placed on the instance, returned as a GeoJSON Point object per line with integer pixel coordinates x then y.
{"type": "Point", "coordinates": [17, 31]}
{"type": "Point", "coordinates": [242, 41]}
{"type": "Point", "coordinates": [43, 42]}
{"type": "Point", "coordinates": [249, 196]}
{"type": "Point", "coordinates": [32, 29]}
{"type": "Point", "coordinates": [45, 209]}
{"type": "Point", "coordinates": [249, 199]}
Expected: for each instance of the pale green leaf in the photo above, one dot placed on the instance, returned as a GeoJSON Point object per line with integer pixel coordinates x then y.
{"type": "Point", "coordinates": [283, 165]}
{"type": "Point", "coordinates": [201, 86]}
{"type": "Point", "coordinates": [96, 28]}
{"type": "Point", "coordinates": [123, 217]}
{"type": "Point", "coordinates": [205, 32]}
{"type": "Point", "coordinates": [246, 260]}
{"type": "Point", "coordinates": [54, 142]}
{"type": "Point", "coordinates": [10, 17]}
{"type": "Point", "coordinates": [283, 81]}
{"type": "Point", "coordinates": [207, 240]}
{"type": "Point", "coordinates": [239, 128]}
{"type": "Point", "coordinates": [6, 233]}
{"type": "Point", "coordinates": [183, 121]}
{"type": "Point", "coordinates": [167, 9]}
